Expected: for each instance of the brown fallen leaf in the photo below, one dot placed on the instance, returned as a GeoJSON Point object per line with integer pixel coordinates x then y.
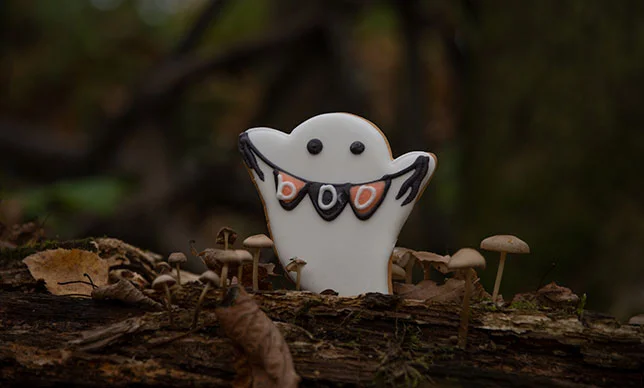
{"type": "Point", "coordinates": [64, 265]}
{"type": "Point", "coordinates": [259, 341]}
{"type": "Point", "coordinates": [451, 291]}
{"type": "Point", "coordinates": [126, 292]}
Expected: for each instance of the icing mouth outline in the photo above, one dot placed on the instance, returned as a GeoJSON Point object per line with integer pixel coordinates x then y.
{"type": "Point", "coordinates": [341, 193]}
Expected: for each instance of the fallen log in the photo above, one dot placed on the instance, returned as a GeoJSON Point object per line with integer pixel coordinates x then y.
{"type": "Point", "coordinates": [372, 339]}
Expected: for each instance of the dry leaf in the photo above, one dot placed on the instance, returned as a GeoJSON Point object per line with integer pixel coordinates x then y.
{"type": "Point", "coordinates": [451, 291]}
{"type": "Point", "coordinates": [263, 345]}
{"type": "Point", "coordinates": [126, 292]}
{"type": "Point", "coordinates": [63, 265]}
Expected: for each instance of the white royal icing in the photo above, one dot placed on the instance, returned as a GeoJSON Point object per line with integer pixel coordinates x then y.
{"type": "Point", "coordinates": [281, 185]}
{"type": "Point", "coordinates": [334, 197]}
{"type": "Point", "coordinates": [343, 252]}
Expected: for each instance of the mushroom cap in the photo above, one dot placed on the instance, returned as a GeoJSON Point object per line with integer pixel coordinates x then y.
{"type": "Point", "coordinates": [466, 258]}
{"type": "Point", "coordinates": [397, 272]}
{"type": "Point", "coordinates": [162, 267]}
{"type": "Point", "coordinates": [401, 255]}
{"type": "Point", "coordinates": [295, 262]}
{"type": "Point", "coordinates": [163, 280]}
{"type": "Point", "coordinates": [258, 241]}
{"type": "Point", "coordinates": [505, 243]}
{"type": "Point", "coordinates": [243, 255]}
{"type": "Point", "coordinates": [442, 267]}
{"type": "Point", "coordinates": [210, 257]}
{"type": "Point", "coordinates": [210, 277]}
{"type": "Point", "coordinates": [430, 257]}
{"type": "Point", "coordinates": [232, 235]}
{"type": "Point", "coordinates": [177, 257]}
{"type": "Point", "coordinates": [229, 256]}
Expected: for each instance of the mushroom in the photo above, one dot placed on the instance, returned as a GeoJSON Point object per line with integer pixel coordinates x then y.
{"type": "Point", "coordinates": [504, 244]}
{"type": "Point", "coordinates": [210, 257]}
{"type": "Point", "coordinates": [176, 259]}
{"type": "Point", "coordinates": [164, 282]}
{"type": "Point", "coordinates": [404, 257]}
{"type": "Point", "coordinates": [226, 236]}
{"type": "Point", "coordinates": [296, 265]}
{"type": "Point", "coordinates": [397, 272]}
{"type": "Point", "coordinates": [257, 242]}
{"type": "Point", "coordinates": [226, 258]}
{"type": "Point", "coordinates": [211, 279]}
{"type": "Point", "coordinates": [466, 258]}
{"type": "Point", "coordinates": [429, 259]}
{"type": "Point", "coordinates": [244, 257]}
{"type": "Point", "coordinates": [163, 268]}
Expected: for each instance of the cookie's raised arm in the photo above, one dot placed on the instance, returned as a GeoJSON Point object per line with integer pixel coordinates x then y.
{"type": "Point", "coordinates": [421, 165]}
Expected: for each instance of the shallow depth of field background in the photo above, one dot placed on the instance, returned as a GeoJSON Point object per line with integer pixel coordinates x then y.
{"type": "Point", "coordinates": [121, 118]}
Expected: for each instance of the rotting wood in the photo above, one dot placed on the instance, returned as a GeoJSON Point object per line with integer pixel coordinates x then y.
{"type": "Point", "coordinates": [334, 340]}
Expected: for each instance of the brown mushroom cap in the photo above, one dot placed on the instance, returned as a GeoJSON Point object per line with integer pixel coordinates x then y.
{"type": "Point", "coordinates": [443, 267]}
{"type": "Point", "coordinates": [401, 255]}
{"type": "Point", "coordinates": [210, 257]}
{"type": "Point", "coordinates": [505, 243]}
{"type": "Point", "coordinates": [466, 258]}
{"type": "Point", "coordinates": [430, 257]}
{"type": "Point", "coordinates": [243, 255]}
{"type": "Point", "coordinates": [162, 267]}
{"type": "Point", "coordinates": [232, 235]}
{"type": "Point", "coordinates": [397, 272]}
{"type": "Point", "coordinates": [258, 241]}
{"type": "Point", "coordinates": [295, 262]}
{"type": "Point", "coordinates": [210, 277]}
{"type": "Point", "coordinates": [177, 257]}
{"type": "Point", "coordinates": [437, 261]}
{"type": "Point", "coordinates": [163, 280]}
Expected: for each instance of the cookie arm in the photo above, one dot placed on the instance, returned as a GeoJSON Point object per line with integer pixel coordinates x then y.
{"type": "Point", "coordinates": [422, 168]}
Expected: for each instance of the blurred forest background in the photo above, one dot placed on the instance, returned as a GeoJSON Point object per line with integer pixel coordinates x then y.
{"type": "Point", "coordinates": [121, 117]}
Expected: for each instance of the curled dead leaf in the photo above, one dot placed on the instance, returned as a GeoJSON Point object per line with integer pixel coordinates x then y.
{"type": "Point", "coordinates": [67, 265]}
{"type": "Point", "coordinates": [126, 292]}
{"type": "Point", "coordinates": [261, 343]}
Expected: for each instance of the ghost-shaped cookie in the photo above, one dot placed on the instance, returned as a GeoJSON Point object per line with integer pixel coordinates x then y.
{"type": "Point", "coordinates": [335, 197]}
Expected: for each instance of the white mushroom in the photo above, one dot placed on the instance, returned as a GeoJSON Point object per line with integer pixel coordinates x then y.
{"type": "Point", "coordinates": [504, 244]}
{"type": "Point", "coordinates": [466, 259]}
{"type": "Point", "coordinates": [176, 259]}
{"type": "Point", "coordinates": [211, 279]}
{"type": "Point", "coordinates": [296, 265]}
{"type": "Point", "coordinates": [257, 242]}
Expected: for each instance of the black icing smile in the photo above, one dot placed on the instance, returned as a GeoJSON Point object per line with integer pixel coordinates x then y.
{"type": "Point", "coordinates": [342, 192]}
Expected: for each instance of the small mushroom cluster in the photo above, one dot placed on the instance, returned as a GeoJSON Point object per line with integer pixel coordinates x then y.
{"type": "Point", "coordinates": [465, 261]}
{"type": "Point", "coordinates": [222, 259]}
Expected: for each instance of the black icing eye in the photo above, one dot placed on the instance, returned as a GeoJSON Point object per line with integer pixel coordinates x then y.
{"type": "Point", "coordinates": [314, 146]}
{"type": "Point", "coordinates": [357, 147]}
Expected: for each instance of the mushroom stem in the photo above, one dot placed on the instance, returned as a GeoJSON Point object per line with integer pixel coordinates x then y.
{"type": "Point", "coordinates": [224, 276]}
{"type": "Point", "coordinates": [225, 240]}
{"type": "Point", "coordinates": [465, 310]}
{"type": "Point", "coordinates": [240, 272]}
{"type": "Point", "coordinates": [256, 270]}
{"type": "Point", "coordinates": [298, 270]}
{"type": "Point", "coordinates": [169, 303]}
{"type": "Point", "coordinates": [499, 275]}
{"type": "Point", "coordinates": [409, 270]}
{"type": "Point", "coordinates": [195, 318]}
{"type": "Point", "coordinates": [427, 267]}
{"type": "Point", "coordinates": [179, 274]}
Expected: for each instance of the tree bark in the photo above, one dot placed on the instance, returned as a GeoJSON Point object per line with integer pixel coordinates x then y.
{"type": "Point", "coordinates": [369, 340]}
{"type": "Point", "coordinates": [373, 339]}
